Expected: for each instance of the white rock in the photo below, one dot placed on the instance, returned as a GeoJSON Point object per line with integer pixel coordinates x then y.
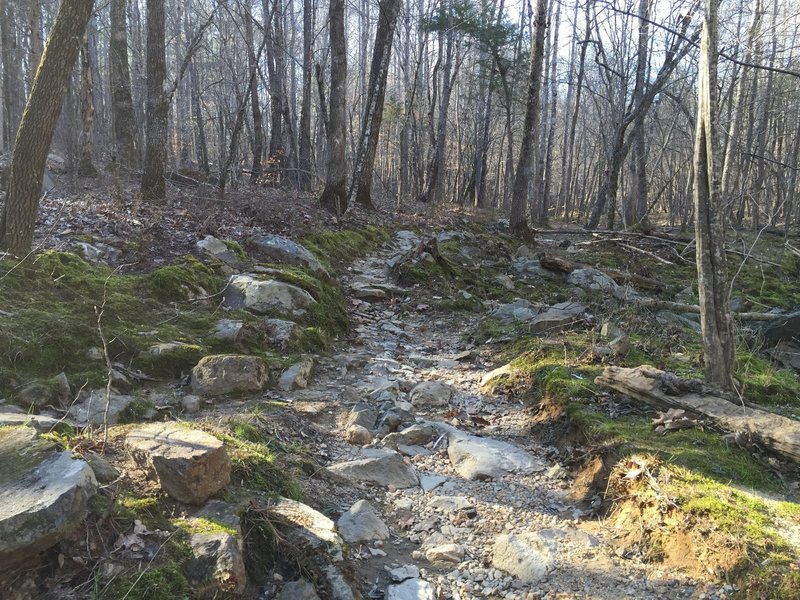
{"type": "Point", "coordinates": [431, 393]}
{"type": "Point", "coordinates": [381, 467]}
{"type": "Point", "coordinates": [265, 295]}
{"type": "Point", "coordinates": [411, 589]}
{"type": "Point", "coordinates": [486, 458]}
{"type": "Point", "coordinates": [297, 376]}
{"type": "Point", "coordinates": [527, 556]}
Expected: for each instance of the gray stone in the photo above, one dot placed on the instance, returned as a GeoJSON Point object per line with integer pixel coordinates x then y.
{"type": "Point", "coordinates": [557, 317]}
{"type": "Point", "coordinates": [782, 330]}
{"type": "Point", "coordinates": [298, 590]}
{"type": "Point", "coordinates": [280, 333]}
{"type": "Point", "coordinates": [296, 377]}
{"type": "Point", "coordinates": [102, 468]}
{"type": "Point", "coordinates": [190, 404]}
{"type": "Point", "coordinates": [531, 268]}
{"type": "Point", "coordinates": [362, 414]}
{"type": "Point", "coordinates": [310, 524]}
{"type": "Point", "coordinates": [282, 250]}
{"type": "Point", "coordinates": [486, 458]}
{"type": "Point", "coordinates": [40, 423]}
{"type": "Point", "coordinates": [411, 589]}
{"type": "Point", "coordinates": [449, 504]}
{"type": "Point", "coordinates": [415, 435]}
{"type": "Point", "coordinates": [54, 391]}
{"type": "Point", "coordinates": [228, 330]}
{"type": "Point", "coordinates": [92, 410]}
{"type": "Point", "coordinates": [591, 280]}
{"type": "Point", "coordinates": [226, 373]}
{"type": "Point", "coordinates": [218, 249]}
{"type": "Point", "coordinates": [361, 523]}
{"type": "Point", "coordinates": [666, 317]}
{"type": "Point", "coordinates": [217, 565]}
{"type": "Point", "coordinates": [44, 494]}
{"type": "Point", "coordinates": [519, 310]}
{"type": "Point", "coordinates": [402, 573]}
{"type": "Point", "coordinates": [381, 467]}
{"type": "Point", "coordinates": [358, 435]}
{"type": "Point", "coordinates": [265, 295]}
{"type": "Point", "coordinates": [496, 374]}
{"type": "Point", "coordinates": [395, 418]}
{"type": "Point", "coordinates": [431, 393]}
{"type": "Point", "coordinates": [505, 281]}
{"type": "Point", "coordinates": [609, 331]}
{"type": "Point", "coordinates": [431, 482]}
{"type": "Point", "coordinates": [527, 556]}
{"type": "Point", "coordinates": [220, 512]}
{"type": "Point", "coordinates": [190, 465]}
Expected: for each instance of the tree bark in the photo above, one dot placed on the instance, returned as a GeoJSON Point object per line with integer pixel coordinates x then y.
{"type": "Point", "coordinates": [715, 319]}
{"type": "Point", "coordinates": [519, 198]}
{"type": "Point", "coordinates": [13, 94]}
{"type": "Point", "coordinates": [334, 196]}
{"type": "Point", "coordinates": [361, 185]}
{"type": "Point", "coordinates": [122, 115]}
{"type": "Point", "coordinates": [258, 131]}
{"type": "Point", "coordinates": [38, 123]}
{"type": "Point", "coordinates": [304, 163]}
{"type": "Point", "coordinates": [86, 166]}
{"type": "Point", "coordinates": [153, 187]}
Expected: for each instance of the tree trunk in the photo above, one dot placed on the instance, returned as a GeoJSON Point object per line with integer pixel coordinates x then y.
{"type": "Point", "coordinates": [715, 319]}
{"type": "Point", "coordinates": [519, 198]}
{"type": "Point", "coordinates": [37, 126]}
{"type": "Point", "coordinates": [361, 186]}
{"type": "Point", "coordinates": [305, 159]}
{"type": "Point", "coordinates": [13, 94]}
{"type": "Point", "coordinates": [258, 131]}
{"type": "Point", "coordinates": [85, 163]}
{"type": "Point", "coordinates": [334, 196]}
{"type": "Point", "coordinates": [153, 188]}
{"type": "Point", "coordinates": [123, 118]}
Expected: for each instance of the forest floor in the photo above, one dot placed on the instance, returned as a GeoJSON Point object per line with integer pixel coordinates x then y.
{"type": "Point", "coordinates": [604, 506]}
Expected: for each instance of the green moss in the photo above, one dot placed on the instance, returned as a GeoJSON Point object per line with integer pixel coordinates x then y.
{"type": "Point", "coordinates": [158, 583]}
{"type": "Point", "coordinates": [312, 339]}
{"type": "Point", "coordinates": [179, 281]}
{"type": "Point", "coordinates": [337, 248]}
{"type": "Point", "coordinates": [204, 525]}
{"type": "Point", "coordinates": [136, 411]}
{"type": "Point", "coordinates": [254, 466]}
{"type": "Point", "coordinates": [236, 248]}
{"type": "Point", "coordinates": [329, 312]}
{"type": "Point", "coordinates": [171, 361]}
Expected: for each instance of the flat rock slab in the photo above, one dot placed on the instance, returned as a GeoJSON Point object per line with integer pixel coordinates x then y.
{"type": "Point", "coordinates": [310, 523]}
{"type": "Point", "coordinates": [40, 423]}
{"type": "Point", "coordinates": [218, 249]}
{"type": "Point", "coordinates": [279, 249]}
{"type": "Point", "coordinates": [265, 295]}
{"type": "Point", "coordinates": [92, 411]}
{"type": "Point", "coordinates": [190, 465]}
{"type": "Point", "coordinates": [44, 494]}
{"type": "Point", "coordinates": [527, 556]}
{"type": "Point", "coordinates": [432, 393]}
{"type": "Point", "coordinates": [228, 373]}
{"type": "Point", "coordinates": [298, 590]}
{"type": "Point", "coordinates": [486, 458]}
{"type": "Point", "coordinates": [381, 467]}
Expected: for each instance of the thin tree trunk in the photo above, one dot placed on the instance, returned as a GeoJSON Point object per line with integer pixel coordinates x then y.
{"type": "Point", "coordinates": [519, 198]}
{"type": "Point", "coordinates": [123, 118]}
{"type": "Point", "coordinates": [258, 132]}
{"type": "Point", "coordinates": [715, 318]}
{"type": "Point", "coordinates": [334, 196]}
{"type": "Point", "coordinates": [38, 123]}
{"type": "Point", "coordinates": [153, 187]}
{"type": "Point", "coordinates": [304, 164]}
{"type": "Point", "coordinates": [361, 185]}
{"type": "Point", "coordinates": [85, 163]}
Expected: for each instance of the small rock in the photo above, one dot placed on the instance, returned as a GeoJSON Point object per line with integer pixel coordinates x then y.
{"type": "Point", "coordinates": [217, 565]}
{"type": "Point", "coordinates": [527, 556]}
{"type": "Point", "coordinates": [92, 410]}
{"type": "Point", "coordinates": [40, 423]}
{"type": "Point", "coordinates": [190, 465]}
{"type": "Point", "coordinates": [280, 333]}
{"type": "Point", "coordinates": [228, 330]}
{"type": "Point", "coordinates": [591, 279]}
{"type": "Point", "coordinates": [431, 393]}
{"type": "Point", "coordinates": [361, 523]}
{"type": "Point", "coordinates": [282, 250]}
{"type": "Point", "coordinates": [297, 376]}
{"type": "Point", "coordinates": [402, 573]}
{"type": "Point", "coordinates": [414, 435]}
{"type": "Point", "coordinates": [362, 414]}
{"type": "Point", "coordinates": [430, 482]}
{"type": "Point", "coordinates": [358, 435]}
{"type": "Point", "coordinates": [103, 470]}
{"type": "Point", "coordinates": [485, 458]}
{"type": "Point", "coordinates": [190, 404]}
{"type": "Point", "coordinates": [445, 553]}
{"type": "Point", "coordinates": [298, 590]}
{"type": "Point", "coordinates": [218, 249]}
{"type": "Point", "coordinates": [411, 589]}
{"type": "Point", "coordinates": [227, 373]}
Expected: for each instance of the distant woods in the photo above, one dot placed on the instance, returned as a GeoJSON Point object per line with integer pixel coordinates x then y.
{"type": "Point", "coordinates": [440, 101]}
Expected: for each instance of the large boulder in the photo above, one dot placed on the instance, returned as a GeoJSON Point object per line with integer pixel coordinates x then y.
{"type": "Point", "coordinates": [527, 556]}
{"type": "Point", "coordinates": [92, 410]}
{"type": "Point", "coordinates": [227, 373]}
{"type": "Point", "coordinates": [381, 467]}
{"type": "Point", "coordinates": [265, 295]}
{"type": "Point", "coordinates": [44, 494]}
{"type": "Point", "coordinates": [282, 250]}
{"type": "Point", "coordinates": [190, 465]}
{"type": "Point", "coordinates": [486, 458]}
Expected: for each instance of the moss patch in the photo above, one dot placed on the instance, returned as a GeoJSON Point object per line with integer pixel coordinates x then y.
{"type": "Point", "coordinates": [181, 281]}
{"type": "Point", "coordinates": [337, 248]}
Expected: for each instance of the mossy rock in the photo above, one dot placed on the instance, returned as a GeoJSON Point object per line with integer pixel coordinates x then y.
{"type": "Point", "coordinates": [170, 359]}
{"type": "Point", "coordinates": [183, 280]}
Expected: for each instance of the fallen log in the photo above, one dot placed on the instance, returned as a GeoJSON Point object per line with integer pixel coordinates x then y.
{"type": "Point", "coordinates": [779, 434]}
{"type": "Point", "coordinates": [695, 309]}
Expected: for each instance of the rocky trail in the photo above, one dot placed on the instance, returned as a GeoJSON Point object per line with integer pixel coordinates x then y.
{"type": "Point", "coordinates": [476, 508]}
{"type": "Point", "coordinates": [390, 467]}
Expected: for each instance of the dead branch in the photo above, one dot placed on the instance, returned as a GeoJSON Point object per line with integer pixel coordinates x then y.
{"type": "Point", "coordinates": [695, 309]}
